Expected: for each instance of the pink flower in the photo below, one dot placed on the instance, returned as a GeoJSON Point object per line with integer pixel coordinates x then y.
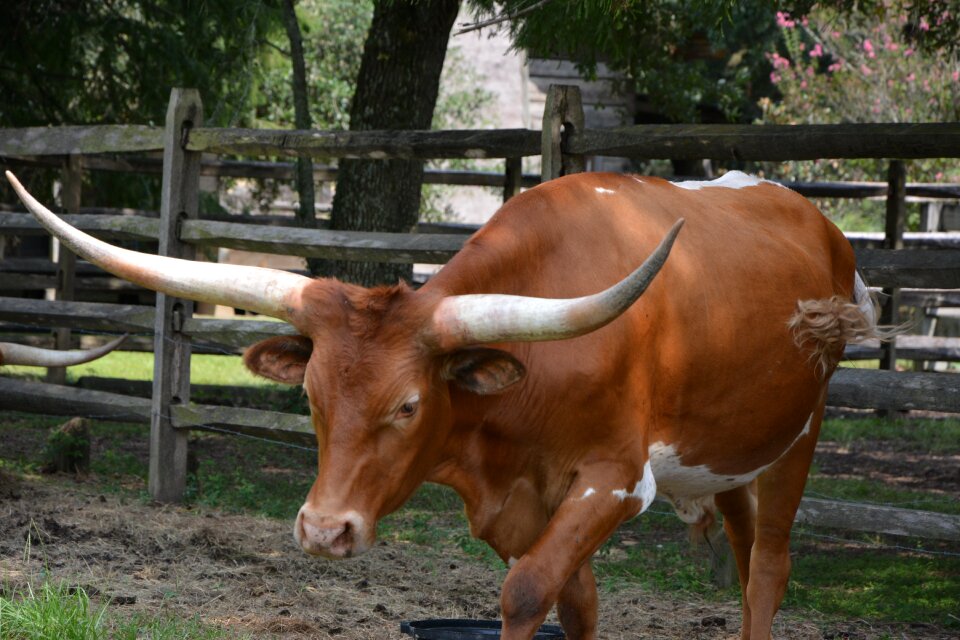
{"type": "Point", "coordinates": [835, 35]}
{"type": "Point", "coordinates": [891, 46]}
{"type": "Point", "coordinates": [774, 77]}
{"type": "Point", "coordinates": [907, 52]}
{"type": "Point", "coordinates": [939, 176]}
{"type": "Point", "coordinates": [868, 47]}
{"type": "Point", "coordinates": [865, 70]}
{"type": "Point", "coordinates": [817, 51]}
{"type": "Point", "coordinates": [810, 72]}
{"type": "Point", "coordinates": [784, 21]}
{"type": "Point", "coordinates": [803, 84]}
{"type": "Point", "coordinates": [924, 25]}
{"type": "Point", "coordinates": [876, 109]}
{"type": "Point", "coordinates": [956, 76]}
{"type": "Point", "coordinates": [836, 66]}
{"type": "Point", "coordinates": [911, 77]}
{"type": "Point", "coordinates": [778, 61]}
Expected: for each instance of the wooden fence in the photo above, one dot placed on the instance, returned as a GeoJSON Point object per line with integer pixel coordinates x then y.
{"type": "Point", "coordinates": [562, 145]}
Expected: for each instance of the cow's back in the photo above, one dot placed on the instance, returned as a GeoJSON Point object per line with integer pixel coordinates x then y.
{"type": "Point", "coordinates": [705, 356]}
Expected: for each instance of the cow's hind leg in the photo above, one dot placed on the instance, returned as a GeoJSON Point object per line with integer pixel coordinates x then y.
{"type": "Point", "coordinates": [577, 605]}
{"type": "Point", "coordinates": [739, 509]}
{"type": "Point", "coordinates": [779, 491]}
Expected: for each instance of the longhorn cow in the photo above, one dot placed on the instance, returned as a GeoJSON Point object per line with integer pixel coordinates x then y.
{"type": "Point", "coordinates": [555, 412]}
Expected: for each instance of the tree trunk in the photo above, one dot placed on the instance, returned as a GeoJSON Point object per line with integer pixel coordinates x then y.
{"type": "Point", "coordinates": [306, 215]}
{"type": "Point", "coordinates": [396, 89]}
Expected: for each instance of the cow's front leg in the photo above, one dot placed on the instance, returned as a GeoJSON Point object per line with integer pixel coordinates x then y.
{"type": "Point", "coordinates": [577, 605]}
{"type": "Point", "coordinates": [603, 495]}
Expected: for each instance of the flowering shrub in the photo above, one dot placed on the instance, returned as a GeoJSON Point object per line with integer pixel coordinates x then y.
{"type": "Point", "coordinates": [858, 67]}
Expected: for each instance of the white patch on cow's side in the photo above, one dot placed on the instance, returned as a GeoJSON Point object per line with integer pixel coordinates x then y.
{"type": "Point", "coordinates": [589, 492]}
{"type": "Point", "coordinates": [729, 180]}
{"type": "Point", "coordinates": [645, 490]}
{"type": "Point", "coordinates": [602, 190]}
{"type": "Point", "coordinates": [690, 489]}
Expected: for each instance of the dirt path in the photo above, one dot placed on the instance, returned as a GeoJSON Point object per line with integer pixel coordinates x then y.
{"type": "Point", "coordinates": [245, 574]}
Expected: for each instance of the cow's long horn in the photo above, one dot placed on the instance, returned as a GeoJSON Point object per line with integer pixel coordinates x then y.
{"type": "Point", "coordinates": [267, 291]}
{"type": "Point", "coordinates": [482, 318]}
{"type": "Point", "coordinates": [12, 353]}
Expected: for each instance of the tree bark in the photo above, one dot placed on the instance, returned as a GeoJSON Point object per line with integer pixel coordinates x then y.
{"type": "Point", "coordinates": [396, 89]}
{"type": "Point", "coordinates": [306, 215]}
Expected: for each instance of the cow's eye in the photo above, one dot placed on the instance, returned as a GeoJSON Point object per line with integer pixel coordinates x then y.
{"type": "Point", "coordinates": [408, 408]}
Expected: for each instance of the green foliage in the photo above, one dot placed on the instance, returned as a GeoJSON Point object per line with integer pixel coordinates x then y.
{"type": "Point", "coordinates": [683, 55]}
{"type": "Point", "coordinates": [915, 434]}
{"type": "Point", "coordinates": [333, 35]}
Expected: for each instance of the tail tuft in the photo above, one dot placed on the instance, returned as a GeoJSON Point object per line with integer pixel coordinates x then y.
{"type": "Point", "coordinates": [826, 325]}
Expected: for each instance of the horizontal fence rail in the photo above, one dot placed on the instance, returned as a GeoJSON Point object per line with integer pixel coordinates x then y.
{"type": "Point", "coordinates": [66, 140]}
{"type": "Point", "coordinates": [770, 142]}
{"type": "Point", "coordinates": [376, 145]}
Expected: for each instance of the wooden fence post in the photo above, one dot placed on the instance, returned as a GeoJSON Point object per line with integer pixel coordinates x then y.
{"type": "Point", "coordinates": [562, 117]}
{"type": "Point", "coordinates": [512, 178]}
{"type": "Point", "coordinates": [72, 181]}
{"type": "Point", "coordinates": [171, 369]}
{"type": "Point", "coordinates": [893, 239]}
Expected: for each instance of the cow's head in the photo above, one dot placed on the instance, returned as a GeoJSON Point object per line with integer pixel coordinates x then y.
{"type": "Point", "coordinates": [377, 364]}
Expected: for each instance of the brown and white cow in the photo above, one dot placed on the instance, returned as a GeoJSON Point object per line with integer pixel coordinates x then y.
{"type": "Point", "coordinates": [708, 390]}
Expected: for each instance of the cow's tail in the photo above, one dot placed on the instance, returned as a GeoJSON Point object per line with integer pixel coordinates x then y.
{"type": "Point", "coordinates": [824, 326]}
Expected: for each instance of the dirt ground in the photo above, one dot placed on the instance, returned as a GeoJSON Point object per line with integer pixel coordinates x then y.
{"type": "Point", "coordinates": [245, 574]}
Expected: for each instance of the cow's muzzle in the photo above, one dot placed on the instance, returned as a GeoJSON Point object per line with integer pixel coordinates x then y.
{"type": "Point", "coordinates": [331, 536]}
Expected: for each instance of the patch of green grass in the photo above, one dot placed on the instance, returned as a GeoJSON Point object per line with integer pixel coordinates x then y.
{"type": "Point", "coordinates": [869, 491]}
{"type": "Point", "coordinates": [934, 436]}
{"type": "Point", "coordinates": [56, 611]}
{"type": "Point", "coordinates": [133, 365]}
{"type": "Point", "coordinates": [876, 584]}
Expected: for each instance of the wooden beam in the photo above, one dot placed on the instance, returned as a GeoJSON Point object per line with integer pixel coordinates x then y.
{"type": "Point", "coordinates": [179, 200]}
{"type": "Point", "coordinates": [895, 391]}
{"type": "Point", "coordinates": [100, 226]}
{"type": "Point", "coordinates": [563, 119]}
{"type": "Point", "coordinates": [908, 268]}
{"type": "Point", "coordinates": [95, 316]}
{"type": "Point", "coordinates": [853, 516]}
{"type": "Point", "coordinates": [70, 195]}
{"type": "Point", "coordinates": [320, 243]}
{"type": "Point", "coordinates": [771, 142]}
{"type": "Point", "coordinates": [65, 140]}
{"type": "Point", "coordinates": [375, 145]}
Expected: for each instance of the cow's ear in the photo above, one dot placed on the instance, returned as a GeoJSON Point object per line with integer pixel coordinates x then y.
{"type": "Point", "coordinates": [483, 371]}
{"type": "Point", "coordinates": [283, 358]}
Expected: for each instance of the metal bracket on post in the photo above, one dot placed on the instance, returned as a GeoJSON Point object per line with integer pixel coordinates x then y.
{"type": "Point", "coordinates": [562, 119]}
{"type": "Point", "coordinates": [171, 369]}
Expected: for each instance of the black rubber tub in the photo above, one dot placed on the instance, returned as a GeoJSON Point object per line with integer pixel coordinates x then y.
{"type": "Point", "coordinates": [468, 630]}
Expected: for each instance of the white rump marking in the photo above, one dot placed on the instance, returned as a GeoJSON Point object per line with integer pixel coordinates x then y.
{"type": "Point", "coordinates": [730, 180]}
{"type": "Point", "coordinates": [589, 492]}
{"type": "Point", "coordinates": [602, 190]}
{"type": "Point", "coordinates": [861, 294]}
{"type": "Point", "coordinates": [645, 490]}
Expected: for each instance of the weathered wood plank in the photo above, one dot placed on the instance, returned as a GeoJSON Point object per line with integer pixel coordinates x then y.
{"type": "Point", "coordinates": [854, 516]}
{"type": "Point", "coordinates": [562, 118]}
{"type": "Point", "coordinates": [179, 201]}
{"type": "Point", "coordinates": [54, 399]}
{"type": "Point", "coordinates": [375, 145]}
{"type": "Point", "coordinates": [938, 269]}
{"type": "Point", "coordinates": [235, 333]}
{"type": "Point", "coordinates": [281, 427]}
{"type": "Point", "coordinates": [29, 281]}
{"type": "Point", "coordinates": [40, 141]}
{"type": "Point", "coordinates": [898, 391]}
{"type": "Point", "coordinates": [100, 226]}
{"type": "Point", "coordinates": [909, 348]}
{"type": "Point", "coordinates": [772, 142]}
{"type": "Point", "coordinates": [96, 316]}
{"type": "Point", "coordinates": [318, 243]}
{"type": "Point", "coordinates": [72, 177]}
{"type": "Point", "coordinates": [911, 239]}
